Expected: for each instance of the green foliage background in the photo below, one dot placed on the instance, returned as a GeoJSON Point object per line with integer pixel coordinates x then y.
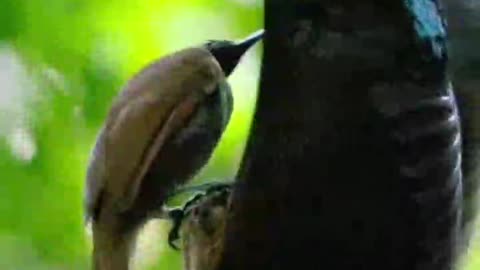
{"type": "Point", "coordinates": [61, 63]}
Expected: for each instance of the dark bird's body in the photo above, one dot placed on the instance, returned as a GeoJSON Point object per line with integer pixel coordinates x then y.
{"type": "Point", "coordinates": [373, 161]}
{"type": "Point", "coordinates": [160, 131]}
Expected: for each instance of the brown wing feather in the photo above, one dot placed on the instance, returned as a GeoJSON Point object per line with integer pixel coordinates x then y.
{"type": "Point", "coordinates": [176, 120]}
{"type": "Point", "coordinates": [95, 172]}
{"type": "Point", "coordinates": [119, 148]}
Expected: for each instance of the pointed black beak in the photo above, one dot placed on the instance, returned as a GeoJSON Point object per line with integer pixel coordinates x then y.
{"type": "Point", "coordinates": [243, 45]}
{"type": "Point", "coordinates": [228, 54]}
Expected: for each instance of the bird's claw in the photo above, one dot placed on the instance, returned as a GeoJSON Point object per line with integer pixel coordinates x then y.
{"type": "Point", "coordinates": [177, 215]}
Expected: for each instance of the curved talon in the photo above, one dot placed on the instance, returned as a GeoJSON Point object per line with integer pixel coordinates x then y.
{"type": "Point", "coordinates": [176, 215]}
{"type": "Point", "coordinates": [191, 202]}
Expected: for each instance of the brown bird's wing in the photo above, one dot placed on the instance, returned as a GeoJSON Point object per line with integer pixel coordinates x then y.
{"type": "Point", "coordinates": [95, 179]}
{"type": "Point", "coordinates": [119, 147]}
{"type": "Point", "coordinates": [127, 146]}
{"type": "Point", "coordinates": [177, 119]}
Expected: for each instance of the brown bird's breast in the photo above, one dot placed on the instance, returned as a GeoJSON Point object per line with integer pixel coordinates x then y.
{"type": "Point", "coordinates": [183, 156]}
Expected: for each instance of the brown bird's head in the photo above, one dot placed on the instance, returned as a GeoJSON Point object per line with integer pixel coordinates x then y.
{"type": "Point", "coordinates": [228, 53]}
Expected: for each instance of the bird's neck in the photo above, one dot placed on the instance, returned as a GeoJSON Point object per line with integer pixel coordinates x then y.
{"type": "Point", "coordinates": [112, 248]}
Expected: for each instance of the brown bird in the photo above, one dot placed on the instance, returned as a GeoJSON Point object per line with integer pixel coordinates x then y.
{"type": "Point", "coordinates": [160, 131]}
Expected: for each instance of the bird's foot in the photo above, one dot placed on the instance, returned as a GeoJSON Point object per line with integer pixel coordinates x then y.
{"type": "Point", "coordinates": [177, 215]}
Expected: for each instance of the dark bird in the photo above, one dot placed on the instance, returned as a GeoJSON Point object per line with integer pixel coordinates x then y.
{"type": "Point", "coordinates": [376, 161]}
{"type": "Point", "coordinates": [160, 131]}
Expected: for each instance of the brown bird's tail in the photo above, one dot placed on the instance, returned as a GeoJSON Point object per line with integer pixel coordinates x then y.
{"type": "Point", "coordinates": [112, 247]}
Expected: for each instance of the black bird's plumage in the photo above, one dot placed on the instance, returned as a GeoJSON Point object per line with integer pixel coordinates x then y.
{"type": "Point", "coordinates": [363, 167]}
